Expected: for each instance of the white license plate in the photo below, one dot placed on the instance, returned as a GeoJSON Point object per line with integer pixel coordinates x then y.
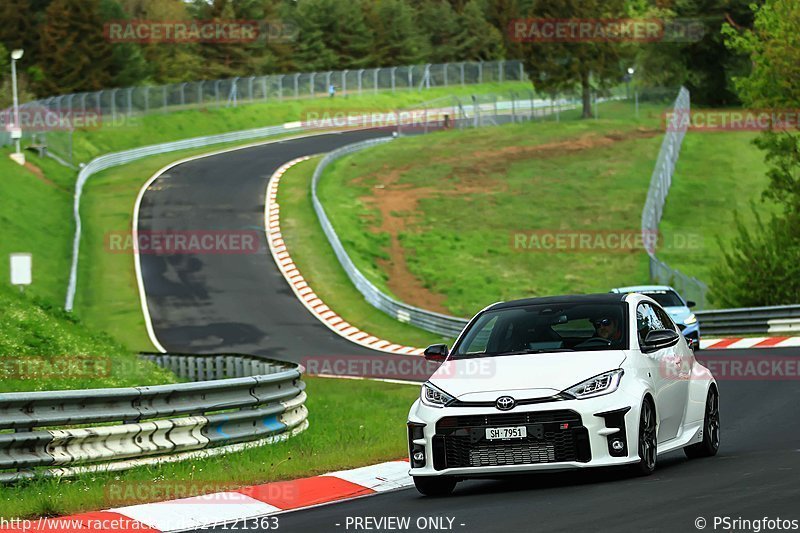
{"type": "Point", "coordinates": [518, 432]}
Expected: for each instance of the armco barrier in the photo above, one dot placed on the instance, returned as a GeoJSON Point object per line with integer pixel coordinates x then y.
{"type": "Point", "coordinates": [428, 320]}
{"type": "Point", "coordinates": [120, 158]}
{"type": "Point", "coordinates": [240, 399]}
{"type": "Point", "coordinates": [781, 319]}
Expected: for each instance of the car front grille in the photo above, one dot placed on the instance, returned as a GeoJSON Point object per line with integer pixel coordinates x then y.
{"type": "Point", "coordinates": [553, 437]}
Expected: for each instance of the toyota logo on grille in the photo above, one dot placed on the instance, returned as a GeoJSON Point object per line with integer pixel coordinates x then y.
{"type": "Point", "coordinates": [505, 403]}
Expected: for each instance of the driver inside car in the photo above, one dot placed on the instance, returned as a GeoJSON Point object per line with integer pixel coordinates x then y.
{"type": "Point", "coordinates": [606, 328]}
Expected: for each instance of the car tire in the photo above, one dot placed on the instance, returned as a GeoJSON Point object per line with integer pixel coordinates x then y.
{"type": "Point", "coordinates": [709, 446]}
{"type": "Point", "coordinates": [435, 486]}
{"type": "Point", "coordinates": [647, 441]}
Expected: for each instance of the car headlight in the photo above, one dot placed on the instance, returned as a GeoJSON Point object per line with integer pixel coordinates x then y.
{"type": "Point", "coordinates": [434, 396]}
{"type": "Point", "coordinates": [605, 383]}
{"type": "Point", "coordinates": [691, 319]}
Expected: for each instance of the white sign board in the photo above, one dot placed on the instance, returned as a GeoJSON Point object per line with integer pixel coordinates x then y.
{"type": "Point", "coordinates": [21, 269]}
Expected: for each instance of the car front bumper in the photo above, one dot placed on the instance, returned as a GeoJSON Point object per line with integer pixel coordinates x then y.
{"type": "Point", "coordinates": [562, 435]}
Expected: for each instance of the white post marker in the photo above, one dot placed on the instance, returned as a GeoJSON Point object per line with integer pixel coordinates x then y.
{"type": "Point", "coordinates": [21, 270]}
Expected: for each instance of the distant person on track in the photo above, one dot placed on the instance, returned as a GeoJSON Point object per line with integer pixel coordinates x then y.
{"type": "Point", "coordinates": [331, 90]}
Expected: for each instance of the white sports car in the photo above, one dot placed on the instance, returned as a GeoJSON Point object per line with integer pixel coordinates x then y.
{"type": "Point", "coordinates": [560, 383]}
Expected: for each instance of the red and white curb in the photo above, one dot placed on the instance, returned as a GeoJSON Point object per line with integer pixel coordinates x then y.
{"type": "Point", "coordinates": [300, 286]}
{"type": "Point", "coordinates": [252, 504]}
{"type": "Point", "coordinates": [749, 342]}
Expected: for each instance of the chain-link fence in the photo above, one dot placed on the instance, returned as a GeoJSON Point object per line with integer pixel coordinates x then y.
{"type": "Point", "coordinates": [58, 115]}
{"type": "Point", "coordinates": [690, 287]}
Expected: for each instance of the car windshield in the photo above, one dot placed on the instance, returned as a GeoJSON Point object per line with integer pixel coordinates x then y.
{"type": "Point", "coordinates": [666, 298]}
{"type": "Point", "coordinates": [545, 328]}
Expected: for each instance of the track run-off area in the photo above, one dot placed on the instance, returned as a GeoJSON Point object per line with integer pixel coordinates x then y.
{"type": "Point", "coordinates": [215, 303]}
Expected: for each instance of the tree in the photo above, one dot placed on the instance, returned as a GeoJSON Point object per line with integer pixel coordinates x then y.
{"type": "Point", "coordinates": [396, 39]}
{"type": "Point", "coordinates": [702, 63]}
{"type": "Point", "coordinates": [477, 38]}
{"type": "Point", "coordinates": [559, 66]}
{"type": "Point", "coordinates": [74, 54]}
{"type": "Point", "coordinates": [762, 265]}
{"type": "Point", "coordinates": [439, 26]}
{"type": "Point", "coordinates": [128, 66]}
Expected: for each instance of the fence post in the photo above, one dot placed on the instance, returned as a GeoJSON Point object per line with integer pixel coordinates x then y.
{"type": "Point", "coordinates": [280, 87]}
{"type": "Point", "coordinates": [311, 82]}
{"type": "Point", "coordinates": [393, 71]}
{"type": "Point", "coordinates": [216, 91]}
{"type": "Point", "coordinates": [462, 74]}
{"type": "Point", "coordinates": [500, 68]}
{"type": "Point", "coordinates": [480, 71]}
{"type": "Point", "coordinates": [360, 76]}
{"type": "Point", "coordinates": [375, 81]}
{"type": "Point", "coordinates": [114, 106]}
{"type": "Point", "coordinates": [129, 99]}
{"type": "Point", "coordinates": [296, 85]}
{"type": "Point", "coordinates": [344, 81]}
{"type": "Point", "coordinates": [328, 81]}
{"type": "Point", "coordinates": [521, 72]}
{"type": "Point", "coordinates": [410, 77]}
{"type": "Point", "coordinates": [164, 96]}
{"type": "Point", "coordinates": [264, 86]}
{"type": "Point", "coordinates": [446, 65]}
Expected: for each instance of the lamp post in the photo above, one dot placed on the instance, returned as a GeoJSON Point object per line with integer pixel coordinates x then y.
{"type": "Point", "coordinates": [16, 131]}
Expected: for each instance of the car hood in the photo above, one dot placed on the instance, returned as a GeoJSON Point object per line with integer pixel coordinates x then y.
{"type": "Point", "coordinates": [531, 375]}
{"type": "Point", "coordinates": [678, 314]}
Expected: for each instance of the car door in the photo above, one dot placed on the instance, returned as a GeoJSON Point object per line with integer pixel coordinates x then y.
{"type": "Point", "coordinates": [668, 390]}
{"type": "Point", "coordinates": [679, 363]}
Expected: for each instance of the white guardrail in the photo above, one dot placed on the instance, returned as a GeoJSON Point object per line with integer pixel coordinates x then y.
{"type": "Point", "coordinates": [235, 402]}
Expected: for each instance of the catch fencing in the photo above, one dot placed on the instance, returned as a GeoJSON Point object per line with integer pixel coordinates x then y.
{"type": "Point", "coordinates": [235, 402]}
{"type": "Point", "coordinates": [116, 106]}
{"type": "Point", "coordinates": [691, 288]}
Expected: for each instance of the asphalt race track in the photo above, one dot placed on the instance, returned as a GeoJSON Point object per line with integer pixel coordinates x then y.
{"type": "Point", "coordinates": [235, 303]}
{"type": "Point", "coordinates": [241, 303]}
{"type": "Point", "coordinates": [756, 474]}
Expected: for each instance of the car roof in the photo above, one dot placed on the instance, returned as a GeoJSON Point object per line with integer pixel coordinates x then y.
{"type": "Point", "coordinates": [601, 298]}
{"type": "Point", "coordinates": [643, 288]}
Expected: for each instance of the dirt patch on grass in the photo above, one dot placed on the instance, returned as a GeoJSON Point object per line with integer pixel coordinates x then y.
{"type": "Point", "coordinates": [398, 203]}
{"type": "Point", "coordinates": [36, 171]}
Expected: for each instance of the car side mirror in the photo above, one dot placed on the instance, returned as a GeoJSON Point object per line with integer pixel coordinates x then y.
{"type": "Point", "coordinates": [690, 303]}
{"type": "Point", "coordinates": [658, 339]}
{"type": "Point", "coordinates": [436, 352]}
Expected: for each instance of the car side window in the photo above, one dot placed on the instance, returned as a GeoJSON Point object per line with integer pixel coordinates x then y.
{"type": "Point", "coordinates": [646, 320]}
{"type": "Point", "coordinates": [664, 318]}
